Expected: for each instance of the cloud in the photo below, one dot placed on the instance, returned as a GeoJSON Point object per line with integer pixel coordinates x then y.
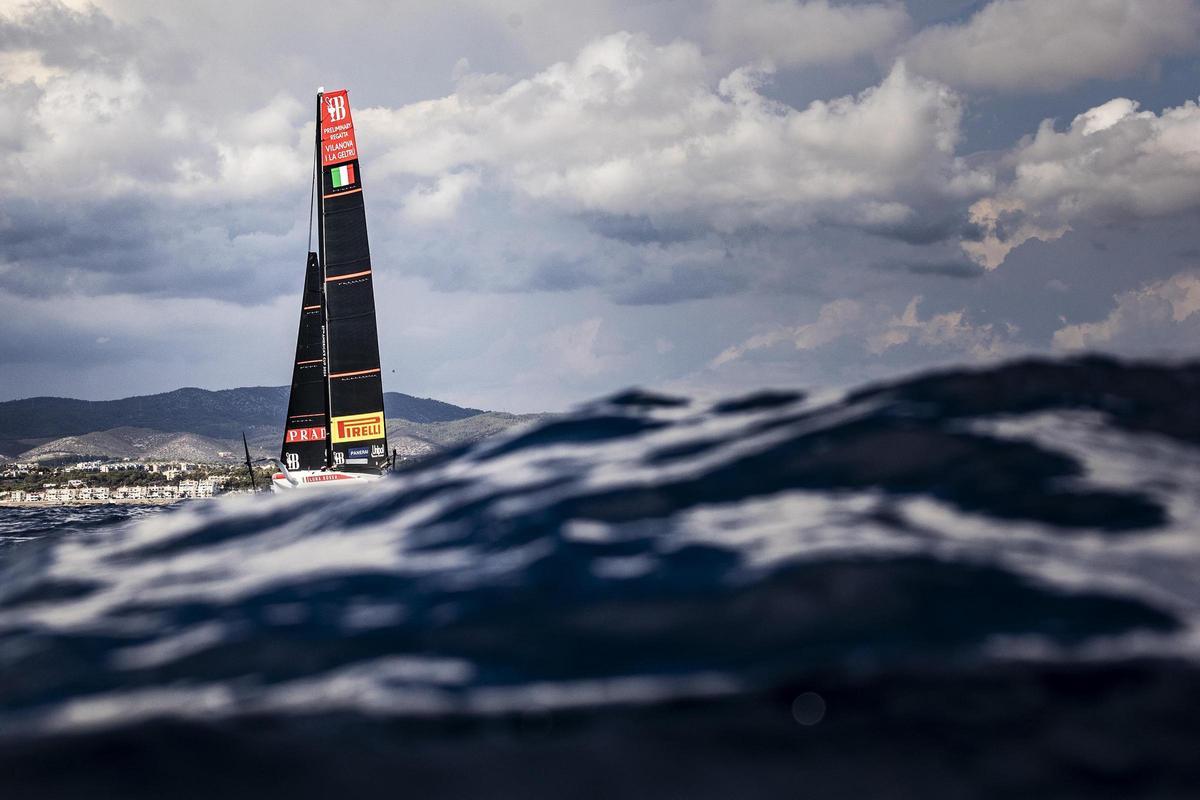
{"type": "Point", "coordinates": [95, 135]}
{"type": "Point", "coordinates": [1114, 163]}
{"type": "Point", "coordinates": [629, 128]}
{"type": "Point", "coordinates": [1156, 319]}
{"type": "Point", "coordinates": [631, 166]}
{"type": "Point", "coordinates": [872, 331]}
{"type": "Point", "coordinates": [114, 180]}
{"type": "Point", "coordinates": [115, 345]}
{"type": "Point", "coordinates": [835, 320]}
{"type": "Point", "coordinates": [438, 203]}
{"type": "Point", "coordinates": [962, 268]}
{"type": "Point", "coordinates": [1034, 45]}
{"type": "Point", "coordinates": [61, 39]}
{"type": "Point", "coordinates": [575, 209]}
{"type": "Point", "coordinates": [800, 33]}
{"type": "Point", "coordinates": [1005, 226]}
{"type": "Point", "coordinates": [581, 348]}
{"type": "Point", "coordinates": [948, 330]}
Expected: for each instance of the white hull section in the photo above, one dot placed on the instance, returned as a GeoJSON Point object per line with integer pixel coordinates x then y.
{"type": "Point", "coordinates": [310, 479]}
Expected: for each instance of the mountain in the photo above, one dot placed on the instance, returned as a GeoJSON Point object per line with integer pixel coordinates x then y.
{"type": "Point", "coordinates": [222, 414]}
{"type": "Point", "coordinates": [137, 444]}
{"type": "Point", "coordinates": [411, 439]}
{"type": "Point", "coordinates": [460, 431]}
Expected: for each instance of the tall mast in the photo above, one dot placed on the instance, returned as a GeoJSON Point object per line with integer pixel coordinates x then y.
{"type": "Point", "coordinates": [318, 182]}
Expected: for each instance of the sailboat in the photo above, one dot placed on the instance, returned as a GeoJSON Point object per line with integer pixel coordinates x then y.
{"type": "Point", "coordinates": [335, 431]}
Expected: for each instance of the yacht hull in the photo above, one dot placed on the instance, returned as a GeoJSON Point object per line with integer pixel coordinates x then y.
{"type": "Point", "coordinates": [315, 479]}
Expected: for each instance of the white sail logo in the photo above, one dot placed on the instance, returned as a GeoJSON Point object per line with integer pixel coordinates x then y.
{"type": "Point", "coordinates": [335, 108]}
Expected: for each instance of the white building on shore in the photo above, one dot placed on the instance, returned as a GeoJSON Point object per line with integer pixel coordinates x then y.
{"type": "Point", "coordinates": [76, 491]}
{"type": "Point", "coordinates": [120, 466]}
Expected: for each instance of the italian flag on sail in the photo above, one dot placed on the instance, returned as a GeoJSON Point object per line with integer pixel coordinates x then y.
{"type": "Point", "coordinates": [342, 176]}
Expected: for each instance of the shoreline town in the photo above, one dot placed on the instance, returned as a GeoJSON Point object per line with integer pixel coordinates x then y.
{"type": "Point", "coordinates": [98, 483]}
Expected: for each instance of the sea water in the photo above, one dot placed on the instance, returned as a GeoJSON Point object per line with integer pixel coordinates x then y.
{"type": "Point", "coordinates": [967, 584]}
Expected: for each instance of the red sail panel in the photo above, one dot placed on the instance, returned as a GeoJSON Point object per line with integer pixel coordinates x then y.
{"type": "Point", "coordinates": [337, 129]}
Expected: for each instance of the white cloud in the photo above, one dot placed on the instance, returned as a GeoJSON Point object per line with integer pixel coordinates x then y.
{"type": "Point", "coordinates": [1146, 321]}
{"type": "Point", "coordinates": [102, 113]}
{"type": "Point", "coordinates": [834, 320]}
{"type": "Point", "coordinates": [1005, 227]}
{"type": "Point", "coordinates": [872, 330]}
{"type": "Point", "coordinates": [631, 128]}
{"type": "Point", "coordinates": [1041, 45]}
{"type": "Point", "coordinates": [950, 329]}
{"type": "Point", "coordinates": [98, 134]}
{"type": "Point", "coordinates": [438, 203]}
{"type": "Point", "coordinates": [797, 33]}
{"type": "Point", "coordinates": [1114, 162]}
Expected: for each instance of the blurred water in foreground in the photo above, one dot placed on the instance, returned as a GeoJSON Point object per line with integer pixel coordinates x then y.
{"type": "Point", "coordinates": [969, 584]}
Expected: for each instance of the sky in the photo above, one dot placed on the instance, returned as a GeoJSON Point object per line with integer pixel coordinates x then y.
{"type": "Point", "coordinates": [567, 199]}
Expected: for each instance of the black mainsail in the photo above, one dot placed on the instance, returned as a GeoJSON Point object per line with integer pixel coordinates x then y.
{"type": "Point", "coordinates": [356, 424]}
{"type": "Point", "coordinates": [350, 413]}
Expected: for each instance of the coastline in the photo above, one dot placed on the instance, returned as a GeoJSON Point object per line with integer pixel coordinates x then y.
{"type": "Point", "coordinates": [160, 501]}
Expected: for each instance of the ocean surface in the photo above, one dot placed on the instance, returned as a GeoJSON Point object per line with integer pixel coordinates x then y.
{"type": "Point", "coordinates": [965, 584]}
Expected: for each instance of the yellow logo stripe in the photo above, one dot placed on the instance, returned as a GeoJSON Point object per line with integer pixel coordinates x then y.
{"type": "Point", "coordinates": [357, 427]}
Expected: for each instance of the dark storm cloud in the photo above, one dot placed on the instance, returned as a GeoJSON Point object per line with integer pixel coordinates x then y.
{"type": "Point", "coordinates": [953, 268]}
{"type": "Point", "coordinates": [68, 38]}
{"type": "Point", "coordinates": [133, 245]}
{"type": "Point", "coordinates": [89, 39]}
{"type": "Point", "coordinates": [641, 229]}
{"type": "Point", "coordinates": [934, 224]}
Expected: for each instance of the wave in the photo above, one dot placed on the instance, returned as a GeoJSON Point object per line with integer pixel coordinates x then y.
{"type": "Point", "coordinates": [979, 545]}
